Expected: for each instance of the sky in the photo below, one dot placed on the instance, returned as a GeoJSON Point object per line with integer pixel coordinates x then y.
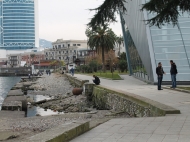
{"type": "Point", "coordinates": [67, 19]}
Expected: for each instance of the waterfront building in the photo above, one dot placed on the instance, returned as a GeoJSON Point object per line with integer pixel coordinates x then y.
{"type": "Point", "coordinates": [27, 59]}
{"type": "Point", "coordinates": [65, 50]}
{"type": "Point", "coordinates": [82, 56]}
{"type": "Point", "coordinates": [18, 24]}
{"type": "Point", "coordinates": [150, 45]}
{"type": "Point", "coordinates": [116, 48]}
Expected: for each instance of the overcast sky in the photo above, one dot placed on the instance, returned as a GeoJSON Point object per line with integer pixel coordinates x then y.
{"type": "Point", "coordinates": [67, 19]}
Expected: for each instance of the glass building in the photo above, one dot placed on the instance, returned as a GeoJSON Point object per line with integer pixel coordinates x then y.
{"type": "Point", "coordinates": [18, 24]}
{"type": "Point", "coordinates": [153, 45]}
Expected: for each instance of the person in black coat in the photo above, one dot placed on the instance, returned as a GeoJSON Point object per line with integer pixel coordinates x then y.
{"type": "Point", "coordinates": [173, 72]}
{"type": "Point", "coordinates": [96, 80]}
{"type": "Point", "coordinates": [160, 72]}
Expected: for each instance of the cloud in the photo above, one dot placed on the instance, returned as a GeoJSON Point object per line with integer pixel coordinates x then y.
{"type": "Point", "coordinates": [67, 19]}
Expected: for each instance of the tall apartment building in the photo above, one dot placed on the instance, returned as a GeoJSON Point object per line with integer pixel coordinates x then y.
{"type": "Point", "coordinates": [65, 50]}
{"type": "Point", "coordinates": [18, 24]}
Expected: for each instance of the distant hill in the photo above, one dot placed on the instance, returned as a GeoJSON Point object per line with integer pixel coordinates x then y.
{"type": "Point", "coordinates": [45, 44]}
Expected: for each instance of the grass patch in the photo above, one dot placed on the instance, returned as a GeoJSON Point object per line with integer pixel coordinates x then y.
{"type": "Point", "coordinates": [184, 88]}
{"type": "Point", "coordinates": [109, 75]}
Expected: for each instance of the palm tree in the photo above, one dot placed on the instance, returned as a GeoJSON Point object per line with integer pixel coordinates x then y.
{"type": "Point", "coordinates": [102, 39]}
{"type": "Point", "coordinates": [119, 42]}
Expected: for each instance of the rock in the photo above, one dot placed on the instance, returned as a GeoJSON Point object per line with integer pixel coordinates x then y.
{"type": "Point", "coordinates": [75, 109]}
{"type": "Point", "coordinates": [88, 116]}
{"type": "Point", "coordinates": [93, 112]}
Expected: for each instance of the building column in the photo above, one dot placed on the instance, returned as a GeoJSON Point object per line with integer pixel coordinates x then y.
{"type": "Point", "coordinates": [126, 44]}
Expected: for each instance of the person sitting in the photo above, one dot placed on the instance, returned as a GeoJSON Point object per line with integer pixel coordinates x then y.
{"type": "Point", "coordinates": [96, 80]}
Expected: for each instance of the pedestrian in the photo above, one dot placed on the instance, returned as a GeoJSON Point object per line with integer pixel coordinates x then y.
{"type": "Point", "coordinates": [173, 72]}
{"type": "Point", "coordinates": [96, 80]}
{"type": "Point", "coordinates": [29, 76]}
{"type": "Point", "coordinates": [72, 71]}
{"type": "Point", "coordinates": [160, 72]}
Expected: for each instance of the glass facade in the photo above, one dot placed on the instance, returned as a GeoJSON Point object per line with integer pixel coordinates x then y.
{"type": "Point", "coordinates": [137, 66]}
{"type": "Point", "coordinates": [17, 24]}
{"type": "Point", "coordinates": [173, 43]}
{"type": "Point", "coordinates": [152, 45]}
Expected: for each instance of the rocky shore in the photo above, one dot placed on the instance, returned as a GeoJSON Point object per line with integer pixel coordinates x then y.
{"type": "Point", "coordinates": [70, 109]}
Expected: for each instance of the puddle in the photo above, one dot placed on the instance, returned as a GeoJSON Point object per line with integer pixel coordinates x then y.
{"type": "Point", "coordinates": [33, 110]}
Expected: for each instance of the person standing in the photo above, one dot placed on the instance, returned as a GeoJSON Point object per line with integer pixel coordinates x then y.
{"type": "Point", "coordinates": [173, 72]}
{"type": "Point", "coordinates": [72, 71]}
{"type": "Point", "coordinates": [160, 72]}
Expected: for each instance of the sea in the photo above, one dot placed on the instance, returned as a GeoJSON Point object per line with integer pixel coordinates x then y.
{"type": "Point", "coordinates": [6, 83]}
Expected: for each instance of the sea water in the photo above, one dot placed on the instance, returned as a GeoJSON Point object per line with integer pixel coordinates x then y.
{"type": "Point", "coordinates": [6, 83]}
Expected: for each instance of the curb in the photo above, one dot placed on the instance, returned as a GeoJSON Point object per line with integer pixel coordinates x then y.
{"type": "Point", "coordinates": [65, 133]}
{"type": "Point", "coordinates": [177, 89]}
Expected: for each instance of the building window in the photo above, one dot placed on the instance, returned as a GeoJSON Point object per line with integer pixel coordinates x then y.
{"type": "Point", "coordinates": [74, 44]}
{"type": "Point", "coordinates": [68, 45]}
{"type": "Point", "coordinates": [63, 45]}
{"type": "Point", "coordinates": [78, 45]}
{"type": "Point", "coordinates": [59, 46]}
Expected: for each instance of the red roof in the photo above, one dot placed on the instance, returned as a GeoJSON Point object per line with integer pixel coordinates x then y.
{"type": "Point", "coordinates": [3, 63]}
{"type": "Point", "coordinates": [43, 64]}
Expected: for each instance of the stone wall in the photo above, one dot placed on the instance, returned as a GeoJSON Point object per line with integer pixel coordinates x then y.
{"type": "Point", "coordinates": [108, 99]}
{"type": "Point", "coordinates": [75, 81]}
{"type": "Point", "coordinates": [137, 106]}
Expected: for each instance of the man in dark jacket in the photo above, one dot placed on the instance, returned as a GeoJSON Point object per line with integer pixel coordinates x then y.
{"type": "Point", "coordinates": [160, 72]}
{"type": "Point", "coordinates": [173, 72]}
{"type": "Point", "coordinates": [96, 80]}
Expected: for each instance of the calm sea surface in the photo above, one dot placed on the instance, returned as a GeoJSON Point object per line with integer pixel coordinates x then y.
{"type": "Point", "coordinates": [6, 83]}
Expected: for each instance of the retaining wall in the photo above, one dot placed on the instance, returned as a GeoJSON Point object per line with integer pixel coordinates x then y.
{"type": "Point", "coordinates": [75, 81]}
{"type": "Point", "coordinates": [106, 98]}
{"type": "Point", "coordinates": [137, 106]}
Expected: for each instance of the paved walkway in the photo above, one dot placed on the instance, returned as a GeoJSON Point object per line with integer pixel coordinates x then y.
{"type": "Point", "coordinates": [171, 128]}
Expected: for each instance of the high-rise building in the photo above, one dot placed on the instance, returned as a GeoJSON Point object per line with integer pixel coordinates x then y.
{"type": "Point", "coordinates": [18, 24]}
{"type": "Point", "coordinates": [150, 45]}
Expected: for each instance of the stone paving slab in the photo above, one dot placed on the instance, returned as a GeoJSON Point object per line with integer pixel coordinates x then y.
{"type": "Point", "coordinates": [12, 114]}
{"type": "Point", "coordinates": [12, 105]}
{"type": "Point", "coordinates": [171, 128]}
{"type": "Point", "coordinates": [152, 129]}
{"type": "Point", "coordinates": [17, 92]}
{"type": "Point", "coordinates": [10, 101]}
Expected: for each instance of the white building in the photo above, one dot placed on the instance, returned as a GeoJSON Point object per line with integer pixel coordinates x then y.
{"type": "Point", "coordinates": [116, 48]}
{"type": "Point", "coordinates": [65, 50]}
